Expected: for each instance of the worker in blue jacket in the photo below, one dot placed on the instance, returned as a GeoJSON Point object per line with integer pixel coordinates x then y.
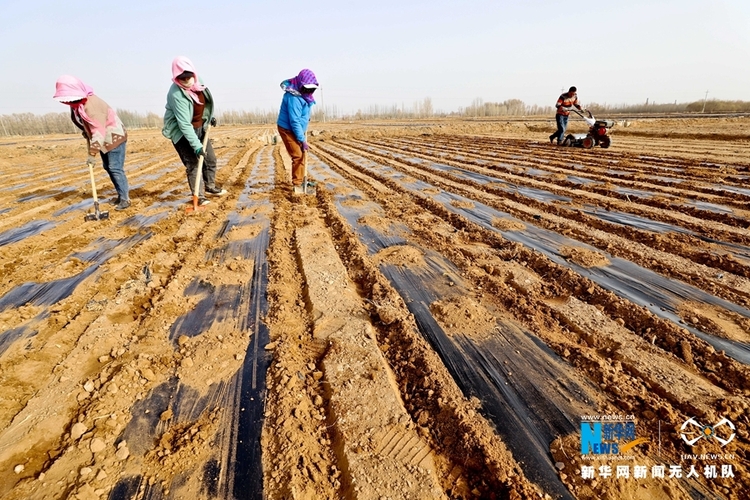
{"type": "Point", "coordinates": [294, 116]}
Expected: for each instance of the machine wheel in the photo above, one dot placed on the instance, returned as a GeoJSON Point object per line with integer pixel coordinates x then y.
{"type": "Point", "coordinates": [604, 142]}
{"type": "Point", "coordinates": [588, 142]}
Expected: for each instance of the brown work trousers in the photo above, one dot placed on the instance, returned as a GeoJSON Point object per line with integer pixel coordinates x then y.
{"type": "Point", "coordinates": [294, 149]}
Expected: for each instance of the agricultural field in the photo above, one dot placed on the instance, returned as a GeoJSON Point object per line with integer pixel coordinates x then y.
{"type": "Point", "coordinates": [440, 319]}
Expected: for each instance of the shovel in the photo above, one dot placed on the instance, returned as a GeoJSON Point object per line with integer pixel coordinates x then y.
{"type": "Point", "coordinates": [199, 175]}
{"type": "Point", "coordinates": [97, 215]}
{"type": "Point", "coordinates": [308, 187]}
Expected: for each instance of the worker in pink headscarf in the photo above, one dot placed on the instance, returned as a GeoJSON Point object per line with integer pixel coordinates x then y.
{"type": "Point", "coordinates": [190, 108]}
{"type": "Point", "coordinates": [102, 129]}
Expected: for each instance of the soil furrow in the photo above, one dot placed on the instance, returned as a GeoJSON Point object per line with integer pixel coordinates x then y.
{"type": "Point", "coordinates": [450, 315]}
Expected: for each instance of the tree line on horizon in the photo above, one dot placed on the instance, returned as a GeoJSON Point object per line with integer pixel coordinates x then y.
{"type": "Point", "coordinates": [59, 123]}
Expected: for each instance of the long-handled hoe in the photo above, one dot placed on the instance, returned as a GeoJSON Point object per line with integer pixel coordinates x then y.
{"type": "Point", "coordinates": [199, 175]}
{"type": "Point", "coordinates": [308, 186]}
{"type": "Point", "coordinates": [97, 215]}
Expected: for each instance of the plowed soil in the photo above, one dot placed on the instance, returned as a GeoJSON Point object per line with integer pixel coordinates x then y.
{"type": "Point", "coordinates": [432, 322]}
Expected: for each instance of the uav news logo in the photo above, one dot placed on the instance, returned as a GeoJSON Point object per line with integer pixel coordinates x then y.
{"type": "Point", "coordinates": [693, 431]}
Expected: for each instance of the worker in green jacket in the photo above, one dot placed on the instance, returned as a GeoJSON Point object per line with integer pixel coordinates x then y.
{"type": "Point", "coordinates": [190, 107]}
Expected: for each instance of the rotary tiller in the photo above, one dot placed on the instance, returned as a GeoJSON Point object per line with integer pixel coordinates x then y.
{"type": "Point", "coordinates": [597, 135]}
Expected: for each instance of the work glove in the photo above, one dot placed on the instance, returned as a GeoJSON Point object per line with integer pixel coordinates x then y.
{"type": "Point", "coordinates": [213, 121]}
{"type": "Point", "coordinates": [199, 152]}
{"type": "Point", "coordinates": [90, 161]}
{"type": "Point", "coordinates": [305, 146]}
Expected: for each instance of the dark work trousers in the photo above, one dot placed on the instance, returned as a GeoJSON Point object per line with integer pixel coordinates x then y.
{"type": "Point", "coordinates": [190, 160]}
{"type": "Point", "coordinates": [562, 124]}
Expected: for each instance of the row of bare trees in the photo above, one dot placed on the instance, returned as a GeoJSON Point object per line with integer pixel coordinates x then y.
{"type": "Point", "coordinates": [710, 107]}
{"type": "Point", "coordinates": [716, 106]}
{"type": "Point", "coordinates": [134, 120]}
{"type": "Point", "coordinates": [511, 107]}
{"type": "Point", "coordinates": [59, 123]}
{"type": "Point", "coordinates": [419, 109]}
{"type": "Point", "coordinates": [516, 107]}
{"type": "Point", "coordinates": [31, 124]}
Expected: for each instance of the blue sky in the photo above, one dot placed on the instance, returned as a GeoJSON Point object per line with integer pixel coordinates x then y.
{"type": "Point", "coordinates": [385, 52]}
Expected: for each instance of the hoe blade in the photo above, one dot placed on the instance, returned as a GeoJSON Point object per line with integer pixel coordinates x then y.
{"type": "Point", "coordinates": [194, 208]}
{"type": "Point", "coordinates": [96, 216]}
{"type": "Point", "coordinates": [308, 187]}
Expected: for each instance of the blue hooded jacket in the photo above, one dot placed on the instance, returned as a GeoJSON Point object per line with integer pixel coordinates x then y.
{"type": "Point", "coordinates": [294, 115]}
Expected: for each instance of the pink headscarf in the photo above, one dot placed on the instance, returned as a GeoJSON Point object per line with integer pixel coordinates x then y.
{"type": "Point", "coordinates": [179, 66]}
{"type": "Point", "coordinates": [69, 88]}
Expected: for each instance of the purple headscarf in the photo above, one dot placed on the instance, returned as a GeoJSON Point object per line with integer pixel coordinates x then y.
{"type": "Point", "coordinates": [305, 77]}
